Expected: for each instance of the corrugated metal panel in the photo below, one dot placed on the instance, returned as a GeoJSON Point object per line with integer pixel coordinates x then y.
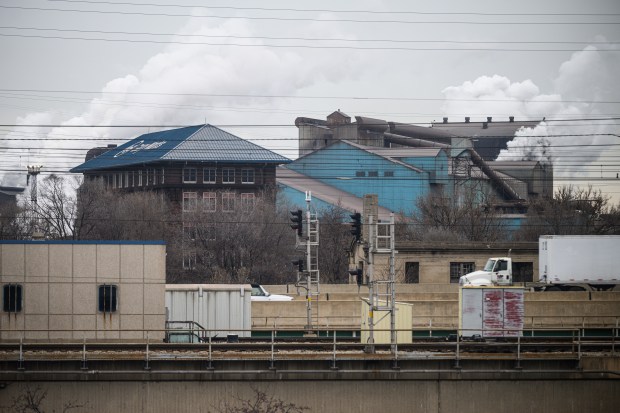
{"type": "Point", "coordinates": [491, 311]}
{"type": "Point", "coordinates": [193, 143]}
{"type": "Point", "coordinates": [382, 334]}
{"type": "Point", "coordinates": [218, 310]}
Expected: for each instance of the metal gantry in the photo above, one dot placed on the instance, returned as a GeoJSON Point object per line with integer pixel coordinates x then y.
{"type": "Point", "coordinates": [381, 292]}
{"type": "Point", "coordinates": [308, 276]}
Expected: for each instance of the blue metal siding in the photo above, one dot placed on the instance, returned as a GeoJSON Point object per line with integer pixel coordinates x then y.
{"type": "Point", "coordinates": [337, 165]}
{"type": "Point", "coordinates": [297, 199]}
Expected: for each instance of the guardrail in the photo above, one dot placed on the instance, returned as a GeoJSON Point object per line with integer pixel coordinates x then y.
{"type": "Point", "coordinates": [507, 345]}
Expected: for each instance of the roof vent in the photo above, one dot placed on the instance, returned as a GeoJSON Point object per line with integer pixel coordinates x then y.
{"type": "Point", "coordinates": [489, 119]}
{"type": "Point", "coordinates": [467, 119]}
{"type": "Point", "coordinates": [511, 118]}
{"type": "Point", "coordinates": [485, 125]}
{"type": "Point", "coordinates": [111, 145]}
{"type": "Point", "coordinates": [445, 120]}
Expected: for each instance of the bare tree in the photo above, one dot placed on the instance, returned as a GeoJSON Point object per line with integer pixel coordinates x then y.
{"type": "Point", "coordinates": [335, 241]}
{"type": "Point", "coordinates": [56, 208]}
{"type": "Point", "coordinates": [251, 242]}
{"type": "Point", "coordinates": [571, 211]}
{"type": "Point", "coordinates": [104, 214]}
{"type": "Point", "coordinates": [11, 218]}
{"type": "Point", "coordinates": [468, 216]}
{"type": "Point", "coordinates": [260, 403]}
{"type": "Point", "coordinates": [31, 400]}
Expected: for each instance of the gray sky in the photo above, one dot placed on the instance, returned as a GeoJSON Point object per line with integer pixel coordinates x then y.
{"type": "Point", "coordinates": [396, 60]}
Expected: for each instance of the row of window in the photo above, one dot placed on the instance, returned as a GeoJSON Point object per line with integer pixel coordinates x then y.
{"type": "Point", "coordinates": [210, 201]}
{"type": "Point", "coordinates": [12, 298]}
{"type": "Point", "coordinates": [209, 175]}
{"type": "Point", "coordinates": [136, 179]}
{"type": "Point", "coordinates": [373, 174]}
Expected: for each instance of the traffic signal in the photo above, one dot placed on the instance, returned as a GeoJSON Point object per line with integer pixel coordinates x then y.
{"type": "Point", "coordinates": [357, 225]}
{"type": "Point", "coordinates": [298, 221]}
{"type": "Point", "coordinates": [359, 276]}
{"type": "Point", "coordinates": [300, 264]}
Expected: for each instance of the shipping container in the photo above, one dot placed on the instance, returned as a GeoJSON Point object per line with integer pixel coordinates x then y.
{"type": "Point", "coordinates": [491, 311]}
{"type": "Point", "coordinates": [195, 312]}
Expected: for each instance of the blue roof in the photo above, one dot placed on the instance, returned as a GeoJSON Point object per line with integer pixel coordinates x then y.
{"type": "Point", "coordinates": [200, 143]}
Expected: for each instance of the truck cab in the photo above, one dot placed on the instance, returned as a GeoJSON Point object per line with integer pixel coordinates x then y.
{"type": "Point", "coordinates": [497, 271]}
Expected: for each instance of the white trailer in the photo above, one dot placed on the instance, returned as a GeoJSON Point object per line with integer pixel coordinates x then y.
{"type": "Point", "coordinates": [578, 262]}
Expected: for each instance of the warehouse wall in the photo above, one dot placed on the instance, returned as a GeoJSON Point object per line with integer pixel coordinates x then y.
{"type": "Point", "coordinates": [60, 280]}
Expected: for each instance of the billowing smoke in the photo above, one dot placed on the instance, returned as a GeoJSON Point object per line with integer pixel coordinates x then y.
{"type": "Point", "coordinates": [569, 137]}
{"type": "Point", "coordinates": [187, 84]}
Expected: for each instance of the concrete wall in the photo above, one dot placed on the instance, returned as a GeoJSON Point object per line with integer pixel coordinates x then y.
{"type": "Point", "coordinates": [436, 307]}
{"type": "Point", "coordinates": [410, 396]}
{"type": "Point", "coordinates": [60, 285]}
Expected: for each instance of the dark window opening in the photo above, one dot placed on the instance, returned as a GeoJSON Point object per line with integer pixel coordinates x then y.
{"type": "Point", "coordinates": [388, 173]}
{"type": "Point", "coordinates": [373, 173]}
{"type": "Point", "coordinates": [412, 272]}
{"type": "Point", "coordinates": [522, 272]}
{"type": "Point", "coordinates": [360, 173]}
{"type": "Point", "coordinates": [107, 298]}
{"type": "Point", "coordinates": [12, 298]}
{"type": "Point", "coordinates": [458, 269]}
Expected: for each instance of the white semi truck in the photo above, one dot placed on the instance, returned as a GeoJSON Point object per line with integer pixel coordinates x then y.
{"type": "Point", "coordinates": [566, 263]}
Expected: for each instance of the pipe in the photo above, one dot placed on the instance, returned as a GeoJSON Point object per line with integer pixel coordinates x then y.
{"type": "Point", "coordinates": [414, 142]}
{"type": "Point", "coordinates": [494, 177]}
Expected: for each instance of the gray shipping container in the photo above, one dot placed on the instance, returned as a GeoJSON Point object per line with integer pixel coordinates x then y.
{"type": "Point", "coordinates": [214, 309]}
{"type": "Point", "coordinates": [491, 311]}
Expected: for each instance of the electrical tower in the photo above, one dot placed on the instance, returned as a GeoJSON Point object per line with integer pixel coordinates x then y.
{"type": "Point", "coordinates": [31, 180]}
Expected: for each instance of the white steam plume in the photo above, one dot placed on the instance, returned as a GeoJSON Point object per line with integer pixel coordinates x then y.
{"type": "Point", "coordinates": [584, 89]}
{"type": "Point", "coordinates": [185, 72]}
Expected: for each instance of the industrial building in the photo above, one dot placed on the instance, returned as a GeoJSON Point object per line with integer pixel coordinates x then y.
{"type": "Point", "coordinates": [341, 161]}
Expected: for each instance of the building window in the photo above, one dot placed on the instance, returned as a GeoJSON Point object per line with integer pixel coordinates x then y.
{"type": "Point", "coordinates": [209, 175]}
{"type": "Point", "coordinates": [247, 202]}
{"type": "Point", "coordinates": [458, 269]}
{"type": "Point", "coordinates": [126, 179]}
{"type": "Point", "coordinates": [190, 201]}
{"type": "Point", "coordinates": [412, 272]}
{"type": "Point", "coordinates": [146, 177]}
{"type": "Point", "coordinates": [373, 174]}
{"type": "Point", "coordinates": [189, 260]}
{"type": "Point", "coordinates": [189, 231]}
{"type": "Point", "coordinates": [12, 298]}
{"type": "Point", "coordinates": [189, 175]}
{"type": "Point", "coordinates": [388, 174]}
{"type": "Point", "coordinates": [228, 176]}
{"type": "Point", "coordinates": [209, 201]}
{"type": "Point", "coordinates": [108, 301]}
{"type": "Point", "coordinates": [228, 202]}
{"type": "Point", "coordinates": [140, 178]}
{"type": "Point", "coordinates": [360, 174]}
{"type": "Point", "coordinates": [247, 176]}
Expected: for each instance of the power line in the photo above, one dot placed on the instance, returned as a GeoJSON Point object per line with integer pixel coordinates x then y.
{"type": "Point", "coordinates": [253, 96]}
{"type": "Point", "coordinates": [295, 19]}
{"type": "Point", "coordinates": [332, 10]}
{"type": "Point", "coordinates": [311, 39]}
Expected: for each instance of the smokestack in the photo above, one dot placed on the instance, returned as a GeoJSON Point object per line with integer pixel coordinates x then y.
{"type": "Point", "coordinates": [489, 119]}
{"type": "Point", "coordinates": [466, 119]}
{"type": "Point", "coordinates": [445, 120]}
{"type": "Point", "coordinates": [511, 118]}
